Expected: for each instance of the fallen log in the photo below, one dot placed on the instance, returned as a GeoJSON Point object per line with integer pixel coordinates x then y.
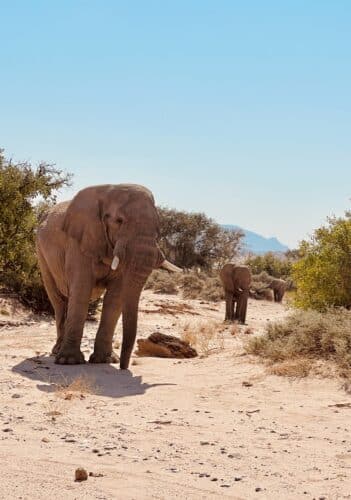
{"type": "Point", "coordinates": [165, 346]}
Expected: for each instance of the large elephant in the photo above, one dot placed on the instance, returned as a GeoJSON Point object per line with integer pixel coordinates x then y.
{"type": "Point", "coordinates": [236, 283]}
{"type": "Point", "coordinates": [105, 239]}
{"type": "Point", "coordinates": [279, 287]}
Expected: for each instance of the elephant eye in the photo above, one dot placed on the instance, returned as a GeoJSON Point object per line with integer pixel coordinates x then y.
{"type": "Point", "coordinates": [119, 220]}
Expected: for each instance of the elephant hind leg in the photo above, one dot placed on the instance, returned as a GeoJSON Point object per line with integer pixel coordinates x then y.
{"type": "Point", "coordinates": [58, 302]}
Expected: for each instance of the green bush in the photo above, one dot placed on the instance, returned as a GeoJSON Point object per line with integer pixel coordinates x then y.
{"type": "Point", "coordinates": [271, 264]}
{"type": "Point", "coordinates": [322, 275]}
{"type": "Point", "coordinates": [24, 193]}
{"type": "Point", "coordinates": [307, 334]}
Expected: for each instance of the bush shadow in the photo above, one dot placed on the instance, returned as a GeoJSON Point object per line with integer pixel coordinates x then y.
{"type": "Point", "coordinates": [104, 380]}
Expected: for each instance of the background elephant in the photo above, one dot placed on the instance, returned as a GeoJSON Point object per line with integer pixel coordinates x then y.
{"type": "Point", "coordinates": [279, 287]}
{"type": "Point", "coordinates": [105, 239]}
{"type": "Point", "coordinates": [236, 283]}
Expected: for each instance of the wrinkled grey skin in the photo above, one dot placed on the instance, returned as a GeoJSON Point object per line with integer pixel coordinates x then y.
{"type": "Point", "coordinates": [236, 283]}
{"type": "Point", "coordinates": [76, 243]}
{"type": "Point", "coordinates": [279, 287]}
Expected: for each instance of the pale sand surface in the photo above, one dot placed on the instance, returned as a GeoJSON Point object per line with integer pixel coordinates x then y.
{"type": "Point", "coordinates": [168, 429]}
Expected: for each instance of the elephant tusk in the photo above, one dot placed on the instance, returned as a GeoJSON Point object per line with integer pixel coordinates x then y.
{"type": "Point", "coordinates": [115, 263]}
{"type": "Point", "coordinates": [171, 267]}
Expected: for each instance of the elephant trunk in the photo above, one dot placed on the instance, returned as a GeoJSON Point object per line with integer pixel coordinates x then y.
{"type": "Point", "coordinates": [138, 261]}
{"type": "Point", "coordinates": [130, 321]}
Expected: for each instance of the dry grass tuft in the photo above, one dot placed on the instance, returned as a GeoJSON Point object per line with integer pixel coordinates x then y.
{"type": "Point", "coordinates": [234, 329]}
{"type": "Point", "coordinates": [205, 337]}
{"type": "Point", "coordinates": [307, 335]}
{"type": "Point", "coordinates": [296, 368]}
{"type": "Point", "coordinates": [248, 331]}
{"type": "Point", "coordinates": [78, 388]}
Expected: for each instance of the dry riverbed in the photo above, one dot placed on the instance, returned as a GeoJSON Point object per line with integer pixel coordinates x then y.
{"type": "Point", "coordinates": [210, 427]}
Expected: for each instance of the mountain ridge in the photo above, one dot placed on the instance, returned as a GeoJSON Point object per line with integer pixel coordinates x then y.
{"type": "Point", "coordinates": [256, 243]}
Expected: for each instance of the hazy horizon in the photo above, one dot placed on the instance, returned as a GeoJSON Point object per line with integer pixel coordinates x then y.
{"type": "Point", "coordinates": [239, 110]}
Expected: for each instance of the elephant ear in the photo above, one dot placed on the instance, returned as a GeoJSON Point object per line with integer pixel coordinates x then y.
{"type": "Point", "coordinates": [83, 223]}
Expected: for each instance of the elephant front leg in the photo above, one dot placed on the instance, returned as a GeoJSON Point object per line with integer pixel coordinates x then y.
{"type": "Point", "coordinates": [229, 307]}
{"type": "Point", "coordinates": [69, 352]}
{"type": "Point", "coordinates": [242, 307]}
{"type": "Point", "coordinates": [111, 311]}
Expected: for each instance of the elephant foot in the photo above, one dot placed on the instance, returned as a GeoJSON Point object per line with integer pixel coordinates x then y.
{"type": "Point", "coordinates": [69, 357]}
{"type": "Point", "coordinates": [103, 357]}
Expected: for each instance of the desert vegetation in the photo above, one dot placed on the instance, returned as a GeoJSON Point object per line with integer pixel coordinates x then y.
{"type": "Point", "coordinates": [306, 336]}
{"type": "Point", "coordinates": [322, 274]}
{"type": "Point", "coordinates": [320, 326]}
{"type": "Point", "coordinates": [25, 193]}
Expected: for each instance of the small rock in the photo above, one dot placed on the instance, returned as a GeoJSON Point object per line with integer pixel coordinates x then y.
{"type": "Point", "coordinates": [238, 479]}
{"type": "Point", "coordinates": [16, 396]}
{"type": "Point", "coordinates": [45, 440]}
{"type": "Point", "coordinates": [245, 383]}
{"type": "Point", "coordinates": [95, 474]}
{"type": "Point", "coordinates": [7, 429]}
{"type": "Point", "coordinates": [258, 489]}
{"type": "Point", "coordinates": [81, 474]}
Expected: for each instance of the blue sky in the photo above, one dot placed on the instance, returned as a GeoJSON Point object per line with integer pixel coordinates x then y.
{"type": "Point", "coordinates": [239, 109]}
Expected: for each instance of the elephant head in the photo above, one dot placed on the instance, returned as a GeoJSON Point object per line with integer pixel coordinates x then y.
{"type": "Point", "coordinates": [117, 224]}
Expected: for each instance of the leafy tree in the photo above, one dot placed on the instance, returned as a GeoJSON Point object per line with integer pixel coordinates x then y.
{"type": "Point", "coordinates": [278, 267]}
{"type": "Point", "coordinates": [194, 240]}
{"type": "Point", "coordinates": [24, 193]}
{"type": "Point", "coordinates": [323, 274]}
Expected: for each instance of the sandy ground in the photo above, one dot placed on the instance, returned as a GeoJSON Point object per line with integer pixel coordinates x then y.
{"type": "Point", "coordinates": [209, 427]}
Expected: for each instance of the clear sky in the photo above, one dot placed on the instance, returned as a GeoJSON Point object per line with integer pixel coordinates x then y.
{"type": "Point", "coordinates": [240, 109]}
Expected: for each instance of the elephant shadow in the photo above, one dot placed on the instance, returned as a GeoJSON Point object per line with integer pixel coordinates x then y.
{"type": "Point", "coordinates": [101, 380]}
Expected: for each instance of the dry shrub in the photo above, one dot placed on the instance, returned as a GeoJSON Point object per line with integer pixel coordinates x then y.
{"type": "Point", "coordinates": [292, 368]}
{"type": "Point", "coordinates": [162, 282]}
{"type": "Point", "coordinates": [307, 334]}
{"type": "Point", "coordinates": [205, 337]}
{"type": "Point", "coordinates": [212, 290]}
{"type": "Point", "coordinates": [78, 388]}
{"type": "Point", "coordinates": [192, 285]}
{"type": "Point", "coordinates": [201, 286]}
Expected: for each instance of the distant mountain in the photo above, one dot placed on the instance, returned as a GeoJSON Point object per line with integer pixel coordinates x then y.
{"type": "Point", "coordinates": [258, 244]}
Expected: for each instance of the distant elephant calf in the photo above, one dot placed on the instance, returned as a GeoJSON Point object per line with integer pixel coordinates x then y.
{"type": "Point", "coordinates": [279, 288]}
{"type": "Point", "coordinates": [236, 282]}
